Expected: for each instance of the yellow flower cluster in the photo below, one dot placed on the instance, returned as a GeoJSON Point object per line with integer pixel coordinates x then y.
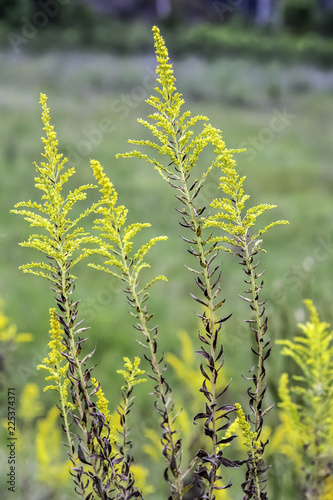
{"type": "Point", "coordinates": [141, 475]}
{"type": "Point", "coordinates": [109, 193]}
{"type": "Point", "coordinates": [103, 406]}
{"type": "Point", "coordinates": [54, 363]}
{"type": "Point", "coordinates": [64, 236]}
{"type": "Point", "coordinates": [30, 406]}
{"type": "Point", "coordinates": [171, 129]}
{"type": "Point", "coordinates": [41, 432]}
{"type": "Point", "coordinates": [50, 148]}
{"type": "Point", "coordinates": [328, 489]}
{"type": "Point", "coordinates": [250, 438]}
{"type": "Point", "coordinates": [118, 244]}
{"type": "Point", "coordinates": [231, 219]}
{"type": "Point", "coordinates": [232, 430]}
{"type": "Point", "coordinates": [131, 372]}
{"type": "Point", "coordinates": [164, 70]}
{"type": "Point", "coordinates": [186, 367]}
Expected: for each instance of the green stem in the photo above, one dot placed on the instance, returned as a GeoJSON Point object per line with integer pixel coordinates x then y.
{"type": "Point", "coordinates": [78, 381]}
{"type": "Point", "coordinates": [260, 338]}
{"type": "Point", "coordinates": [210, 317]}
{"type": "Point", "coordinates": [176, 472]}
{"type": "Point", "coordinates": [126, 459]}
{"type": "Point", "coordinates": [64, 412]}
{"type": "Point", "coordinates": [255, 305]}
{"type": "Point", "coordinates": [258, 314]}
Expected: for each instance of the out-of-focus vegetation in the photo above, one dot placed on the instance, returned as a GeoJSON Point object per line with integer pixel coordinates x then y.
{"type": "Point", "coordinates": [289, 30]}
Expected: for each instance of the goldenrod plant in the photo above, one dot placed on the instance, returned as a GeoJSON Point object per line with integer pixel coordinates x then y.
{"type": "Point", "coordinates": [44, 467]}
{"type": "Point", "coordinates": [118, 248]}
{"type": "Point", "coordinates": [100, 452]}
{"type": "Point", "coordinates": [186, 372]}
{"type": "Point", "coordinates": [175, 140]}
{"type": "Point", "coordinates": [238, 228]}
{"type": "Point", "coordinates": [97, 465]}
{"type": "Point", "coordinates": [305, 434]}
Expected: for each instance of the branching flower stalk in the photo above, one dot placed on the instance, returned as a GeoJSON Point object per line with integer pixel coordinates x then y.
{"type": "Point", "coordinates": [58, 248]}
{"type": "Point", "coordinates": [117, 247]}
{"type": "Point", "coordinates": [64, 238]}
{"type": "Point", "coordinates": [236, 225]}
{"type": "Point", "coordinates": [174, 140]}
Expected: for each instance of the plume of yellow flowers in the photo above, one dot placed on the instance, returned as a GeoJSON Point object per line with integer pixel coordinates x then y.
{"type": "Point", "coordinates": [57, 366]}
{"type": "Point", "coordinates": [235, 222]}
{"type": "Point", "coordinates": [117, 239]}
{"type": "Point", "coordinates": [64, 236]}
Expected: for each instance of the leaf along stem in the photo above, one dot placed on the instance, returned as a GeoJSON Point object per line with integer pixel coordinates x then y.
{"type": "Point", "coordinates": [192, 221]}
{"type": "Point", "coordinates": [252, 485]}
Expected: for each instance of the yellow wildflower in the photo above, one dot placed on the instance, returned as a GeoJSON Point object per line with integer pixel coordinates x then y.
{"type": "Point", "coordinates": [107, 189]}
{"type": "Point", "coordinates": [56, 363]}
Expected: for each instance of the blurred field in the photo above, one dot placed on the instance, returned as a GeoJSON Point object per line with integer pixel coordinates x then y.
{"type": "Point", "coordinates": [282, 114]}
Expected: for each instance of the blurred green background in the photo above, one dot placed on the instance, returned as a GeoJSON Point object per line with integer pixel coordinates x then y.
{"type": "Point", "coordinates": [263, 73]}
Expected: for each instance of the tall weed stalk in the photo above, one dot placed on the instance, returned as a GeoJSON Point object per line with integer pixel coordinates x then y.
{"type": "Point", "coordinates": [305, 434]}
{"type": "Point", "coordinates": [98, 463]}
{"type": "Point", "coordinates": [173, 134]}
{"type": "Point", "coordinates": [101, 457]}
